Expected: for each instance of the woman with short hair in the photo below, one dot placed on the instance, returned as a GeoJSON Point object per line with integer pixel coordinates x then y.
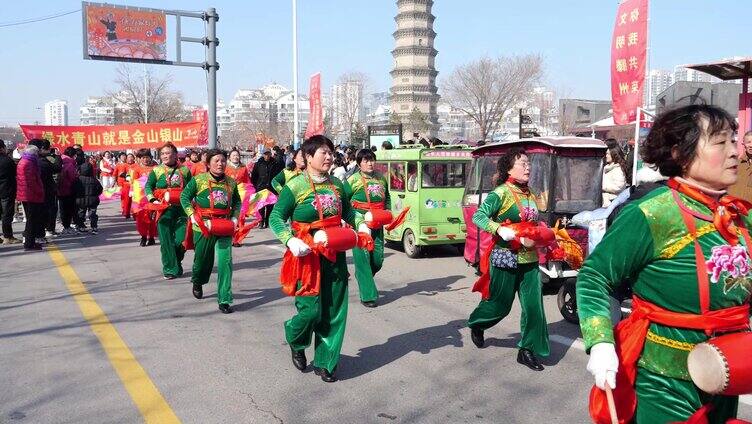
{"type": "Point", "coordinates": [685, 248]}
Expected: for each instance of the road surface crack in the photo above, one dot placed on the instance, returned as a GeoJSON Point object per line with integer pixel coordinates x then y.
{"type": "Point", "coordinates": [259, 408]}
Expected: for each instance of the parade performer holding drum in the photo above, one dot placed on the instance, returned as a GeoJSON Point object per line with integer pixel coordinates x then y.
{"type": "Point", "coordinates": [292, 170]}
{"type": "Point", "coordinates": [685, 247]}
{"type": "Point", "coordinates": [510, 265]}
{"type": "Point", "coordinates": [146, 224]}
{"type": "Point", "coordinates": [163, 189]}
{"type": "Point", "coordinates": [368, 192]}
{"type": "Point", "coordinates": [314, 268]}
{"type": "Point", "coordinates": [212, 202]}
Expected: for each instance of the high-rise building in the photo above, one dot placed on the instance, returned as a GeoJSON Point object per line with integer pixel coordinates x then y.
{"type": "Point", "coordinates": [98, 111]}
{"type": "Point", "coordinates": [692, 75]}
{"type": "Point", "coordinates": [347, 106]}
{"type": "Point", "coordinates": [56, 112]}
{"type": "Point", "coordinates": [656, 82]}
{"type": "Point", "coordinates": [414, 93]}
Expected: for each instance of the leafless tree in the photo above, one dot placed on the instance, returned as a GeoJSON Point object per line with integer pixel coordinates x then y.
{"type": "Point", "coordinates": [163, 104]}
{"type": "Point", "coordinates": [487, 88]}
{"type": "Point", "coordinates": [349, 108]}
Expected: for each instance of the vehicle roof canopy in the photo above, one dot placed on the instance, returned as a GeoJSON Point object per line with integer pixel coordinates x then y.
{"type": "Point", "coordinates": [449, 152]}
{"type": "Point", "coordinates": [552, 144]}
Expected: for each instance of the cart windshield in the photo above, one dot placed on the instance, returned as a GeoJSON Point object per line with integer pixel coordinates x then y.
{"type": "Point", "coordinates": [577, 184]}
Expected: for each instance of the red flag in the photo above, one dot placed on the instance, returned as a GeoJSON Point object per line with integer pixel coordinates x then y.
{"type": "Point", "coordinates": [628, 55]}
{"type": "Point", "coordinates": [202, 115]}
{"type": "Point", "coordinates": [316, 117]}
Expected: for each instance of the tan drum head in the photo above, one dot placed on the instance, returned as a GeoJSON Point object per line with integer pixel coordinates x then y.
{"type": "Point", "coordinates": [708, 368]}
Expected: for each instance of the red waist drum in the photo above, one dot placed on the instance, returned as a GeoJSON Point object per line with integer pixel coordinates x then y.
{"type": "Point", "coordinates": [722, 365]}
{"type": "Point", "coordinates": [337, 238]}
{"type": "Point", "coordinates": [376, 218]}
{"type": "Point", "coordinates": [220, 227]}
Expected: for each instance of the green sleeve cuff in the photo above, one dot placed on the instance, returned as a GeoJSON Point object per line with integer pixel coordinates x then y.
{"type": "Point", "coordinates": [492, 227]}
{"type": "Point", "coordinates": [596, 329]}
{"type": "Point", "coordinates": [284, 237]}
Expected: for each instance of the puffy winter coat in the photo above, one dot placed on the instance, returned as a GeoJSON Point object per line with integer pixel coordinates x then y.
{"type": "Point", "coordinates": [7, 177]}
{"type": "Point", "coordinates": [29, 180]}
{"type": "Point", "coordinates": [614, 182]}
{"type": "Point", "coordinates": [68, 176]}
{"type": "Point", "coordinates": [87, 188]}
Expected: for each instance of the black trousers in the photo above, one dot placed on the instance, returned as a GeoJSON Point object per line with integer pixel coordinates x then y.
{"type": "Point", "coordinates": [50, 205]}
{"type": "Point", "coordinates": [265, 212]}
{"type": "Point", "coordinates": [7, 210]}
{"type": "Point", "coordinates": [81, 217]}
{"type": "Point", "coordinates": [35, 220]}
{"type": "Point", "coordinates": [67, 209]}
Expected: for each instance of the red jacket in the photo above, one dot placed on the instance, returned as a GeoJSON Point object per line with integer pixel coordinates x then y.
{"type": "Point", "coordinates": [29, 179]}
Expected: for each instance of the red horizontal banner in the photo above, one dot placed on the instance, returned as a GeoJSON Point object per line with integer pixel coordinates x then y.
{"type": "Point", "coordinates": [117, 137]}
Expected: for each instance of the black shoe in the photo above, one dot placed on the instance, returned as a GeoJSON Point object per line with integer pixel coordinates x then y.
{"type": "Point", "coordinates": [528, 359]}
{"type": "Point", "coordinates": [236, 245]}
{"type": "Point", "coordinates": [225, 308]}
{"type": "Point", "coordinates": [369, 303]}
{"type": "Point", "coordinates": [33, 248]}
{"type": "Point", "coordinates": [169, 277]}
{"type": "Point", "coordinates": [299, 359]}
{"type": "Point", "coordinates": [198, 292]}
{"type": "Point", "coordinates": [476, 335]}
{"type": "Point", "coordinates": [151, 242]}
{"type": "Point", "coordinates": [127, 217]}
{"type": "Point", "coordinates": [325, 375]}
{"type": "Point", "coordinates": [143, 242]}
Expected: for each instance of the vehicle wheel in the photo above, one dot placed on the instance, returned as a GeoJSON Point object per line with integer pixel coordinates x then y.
{"type": "Point", "coordinates": [567, 303]}
{"type": "Point", "coordinates": [460, 248]}
{"type": "Point", "coordinates": [412, 250]}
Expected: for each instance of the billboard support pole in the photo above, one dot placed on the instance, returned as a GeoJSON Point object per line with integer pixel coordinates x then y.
{"type": "Point", "coordinates": [211, 67]}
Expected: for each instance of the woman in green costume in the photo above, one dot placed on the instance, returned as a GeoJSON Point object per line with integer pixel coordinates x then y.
{"type": "Point", "coordinates": [316, 277]}
{"type": "Point", "coordinates": [509, 266]}
{"type": "Point", "coordinates": [163, 186]}
{"type": "Point", "coordinates": [212, 198]}
{"type": "Point", "coordinates": [685, 248]}
{"type": "Point", "coordinates": [368, 189]}
{"type": "Point", "coordinates": [292, 170]}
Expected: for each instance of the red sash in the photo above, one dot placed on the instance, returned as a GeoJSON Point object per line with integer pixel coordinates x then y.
{"type": "Point", "coordinates": [306, 269]}
{"type": "Point", "coordinates": [199, 214]}
{"type": "Point", "coordinates": [630, 337]}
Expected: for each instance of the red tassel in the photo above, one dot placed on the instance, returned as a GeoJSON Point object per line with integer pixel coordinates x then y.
{"type": "Point", "coordinates": [398, 220]}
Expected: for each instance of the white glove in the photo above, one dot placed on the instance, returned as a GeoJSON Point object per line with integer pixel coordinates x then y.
{"type": "Point", "coordinates": [130, 193]}
{"type": "Point", "coordinates": [363, 228]}
{"type": "Point", "coordinates": [342, 223]}
{"type": "Point", "coordinates": [368, 216]}
{"type": "Point", "coordinates": [193, 220]}
{"type": "Point", "coordinates": [298, 247]}
{"type": "Point", "coordinates": [506, 233]}
{"type": "Point", "coordinates": [234, 221]}
{"type": "Point", "coordinates": [527, 242]}
{"type": "Point", "coordinates": [603, 364]}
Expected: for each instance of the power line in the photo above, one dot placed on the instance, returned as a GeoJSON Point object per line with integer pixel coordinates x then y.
{"type": "Point", "coordinates": [40, 19]}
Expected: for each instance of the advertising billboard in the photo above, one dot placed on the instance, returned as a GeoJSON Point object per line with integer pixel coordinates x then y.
{"type": "Point", "coordinates": [124, 33]}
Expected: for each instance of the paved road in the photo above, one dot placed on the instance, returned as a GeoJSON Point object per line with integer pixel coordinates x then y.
{"type": "Point", "coordinates": [409, 360]}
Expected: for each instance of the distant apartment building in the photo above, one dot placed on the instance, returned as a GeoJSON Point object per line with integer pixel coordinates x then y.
{"type": "Point", "coordinates": [56, 112]}
{"type": "Point", "coordinates": [97, 111]}
{"type": "Point", "coordinates": [268, 110]}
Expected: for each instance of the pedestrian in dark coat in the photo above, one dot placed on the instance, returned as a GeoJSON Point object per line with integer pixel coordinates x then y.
{"type": "Point", "coordinates": [87, 190]}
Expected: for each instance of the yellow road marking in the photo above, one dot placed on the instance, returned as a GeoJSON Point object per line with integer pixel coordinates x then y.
{"type": "Point", "coordinates": [143, 392]}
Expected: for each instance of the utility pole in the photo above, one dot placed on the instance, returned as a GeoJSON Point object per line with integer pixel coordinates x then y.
{"type": "Point", "coordinates": [520, 134]}
{"type": "Point", "coordinates": [146, 97]}
{"type": "Point", "coordinates": [296, 125]}
{"type": "Point", "coordinates": [211, 42]}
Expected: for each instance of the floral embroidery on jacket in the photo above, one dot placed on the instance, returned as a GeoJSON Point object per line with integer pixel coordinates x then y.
{"type": "Point", "coordinates": [730, 264]}
{"type": "Point", "coordinates": [329, 204]}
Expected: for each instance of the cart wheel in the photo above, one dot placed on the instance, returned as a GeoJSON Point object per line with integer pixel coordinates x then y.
{"type": "Point", "coordinates": [412, 250]}
{"type": "Point", "coordinates": [567, 303]}
{"type": "Point", "coordinates": [460, 248]}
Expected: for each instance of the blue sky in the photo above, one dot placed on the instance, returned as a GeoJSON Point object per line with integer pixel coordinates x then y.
{"type": "Point", "coordinates": [43, 61]}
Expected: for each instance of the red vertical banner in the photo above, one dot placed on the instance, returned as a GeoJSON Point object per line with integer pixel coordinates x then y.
{"type": "Point", "coordinates": [316, 116]}
{"type": "Point", "coordinates": [628, 59]}
{"type": "Point", "coordinates": [202, 115]}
